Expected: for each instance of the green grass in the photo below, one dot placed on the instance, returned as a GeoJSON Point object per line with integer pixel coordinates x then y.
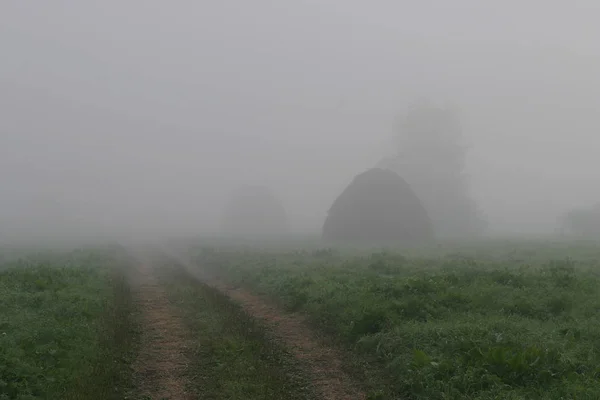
{"type": "Point", "coordinates": [232, 356]}
{"type": "Point", "coordinates": [504, 321]}
{"type": "Point", "coordinates": [65, 331]}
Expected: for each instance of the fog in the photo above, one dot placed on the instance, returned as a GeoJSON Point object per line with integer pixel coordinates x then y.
{"type": "Point", "coordinates": [143, 116]}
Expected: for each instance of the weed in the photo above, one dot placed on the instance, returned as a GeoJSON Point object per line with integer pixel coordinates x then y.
{"type": "Point", "coordinates": [489, 322]}
{"type": "Point", "coordinates": [65, 332]}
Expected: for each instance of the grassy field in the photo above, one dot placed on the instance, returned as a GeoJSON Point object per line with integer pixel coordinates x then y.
{"type": "Point", "coordinates": [502, 320]}
{"type": "Point", "coordinates": [489, 320]}
{"type": "Point", "coordinates": [232, 357]}
{"type": "Point", "coordinates": [64, 326]}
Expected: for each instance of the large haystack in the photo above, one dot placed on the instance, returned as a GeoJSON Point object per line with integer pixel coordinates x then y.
{"type": "Point", "coordinates": [254, 210]}
{"type": "Point", "coordinates": [378, 207]}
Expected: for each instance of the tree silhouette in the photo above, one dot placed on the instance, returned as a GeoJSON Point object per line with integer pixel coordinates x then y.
{"type": "Point", "coordinates": [581, 222]}
{"type": "Point", "coordinates": [431, 156]}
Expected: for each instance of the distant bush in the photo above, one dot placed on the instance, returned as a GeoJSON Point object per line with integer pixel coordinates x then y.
{"type": "Point", "coordinates": [254, 211]}
{"type": "Point", "coordinates": [378, 207]}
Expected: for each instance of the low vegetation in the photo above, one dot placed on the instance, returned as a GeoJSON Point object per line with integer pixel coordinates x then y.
{"type": "Point", "coordinates": [500, 320]}
{"type": "Point", "coordinates": [65, 331]}
{"type": "Point", "coordinates": [489, 322]}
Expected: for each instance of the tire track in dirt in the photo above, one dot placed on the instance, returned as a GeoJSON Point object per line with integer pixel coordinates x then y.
{"type": "Point", "coordinates": [320, 361]}
{"type": "Point", "coordinates": [161, 366]}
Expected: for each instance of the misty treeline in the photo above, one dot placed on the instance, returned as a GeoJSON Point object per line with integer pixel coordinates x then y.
{"type": "Point", "coordinates": [430, 155]}
{"type": "Point", "coordinates": [581, 221]}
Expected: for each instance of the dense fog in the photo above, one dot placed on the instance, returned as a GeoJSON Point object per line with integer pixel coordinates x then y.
{"type": "Point", "coordinates": [145, 116]}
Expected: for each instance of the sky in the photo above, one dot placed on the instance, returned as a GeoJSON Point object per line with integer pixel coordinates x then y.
{"type": "Point", "coordinates": [139, 116]}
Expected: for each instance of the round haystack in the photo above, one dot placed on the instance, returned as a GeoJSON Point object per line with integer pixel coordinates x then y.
{"type": "Point", "coordinates": [378, 207]}
{"type": "Point", "coordinates": [254, 210]}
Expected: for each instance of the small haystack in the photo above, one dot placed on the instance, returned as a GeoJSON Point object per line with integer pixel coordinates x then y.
{"type": "Point", "coordinates": [254, 210]}
{"type": "Point", "coordinates": [378, 207]}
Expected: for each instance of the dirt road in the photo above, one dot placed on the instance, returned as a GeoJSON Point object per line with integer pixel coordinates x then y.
{"type": "Point", "coordinates": [160, 370]}
{"type": "Point", "coordinates": [320, 361]}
